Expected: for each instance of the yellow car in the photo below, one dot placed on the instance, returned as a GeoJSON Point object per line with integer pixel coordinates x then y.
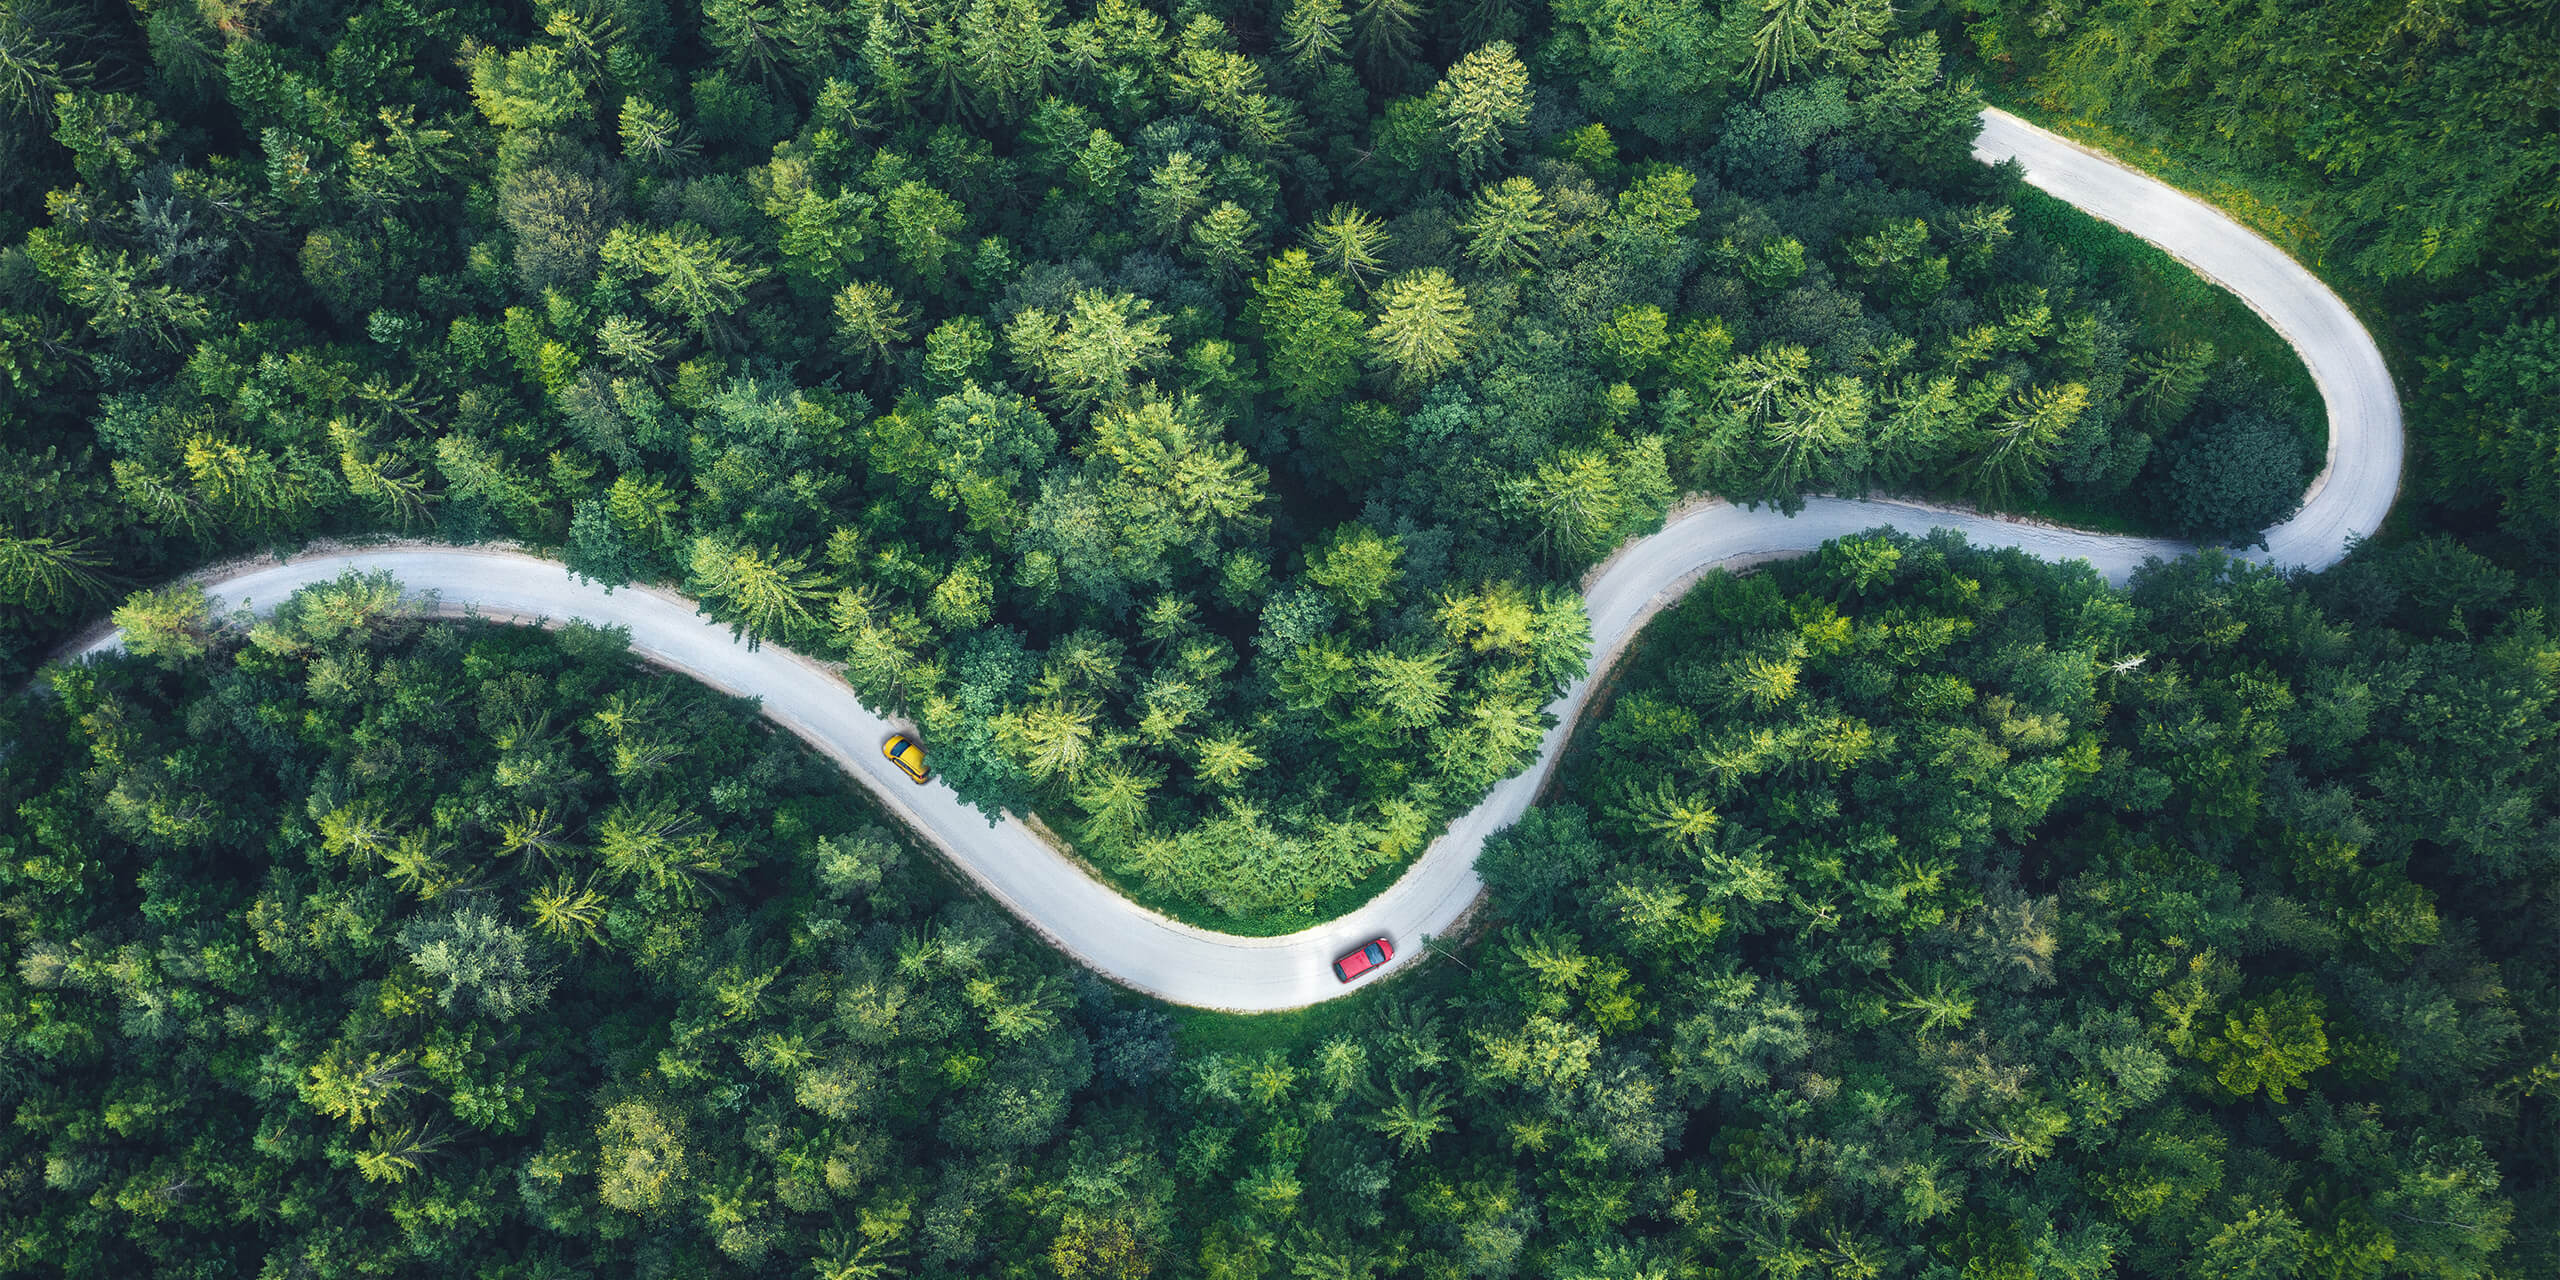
{"type": "Point", "coordinates": [904, 753]}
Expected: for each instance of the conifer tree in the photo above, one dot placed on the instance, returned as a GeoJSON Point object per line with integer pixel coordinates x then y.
{"type": "Point", "coordinates": [1423, 328]}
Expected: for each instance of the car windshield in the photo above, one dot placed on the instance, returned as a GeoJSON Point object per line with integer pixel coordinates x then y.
{"type": "Point", "coordinates": [1376, 956]}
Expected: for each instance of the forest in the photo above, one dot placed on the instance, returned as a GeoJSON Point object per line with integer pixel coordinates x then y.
{"type": "Point", "coordinates": [2409, 152]}
{"type": "Point", "coordinates": [1912, 910]}
{"type": "Point", "coordinates": [1196, 418]}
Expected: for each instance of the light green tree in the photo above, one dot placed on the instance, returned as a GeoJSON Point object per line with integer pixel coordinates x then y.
{"type": "Point", "coordinates": [485, 965]}
{"type": "Point", "coordinates": [923, 225]}
{"type": "Point", "coordinates": [172, 625]}
{"type": "Point", "coordinates": [770, 593]}
{"type": "Point", "coordinates": [1785, 41]}
{"type": "Point", "coordinates": [1508, 225]}
{"type": "Point", "coordinates": [567, 911]}
{"type": "Point", "coordinates": [1576, 501]}
{"type": "Point", "coordinates": [1225, 241]}
{"type": "Point", "coordinates": [1108, 338]}
{"type": "Point", "coordinates": [537, 87]}
{"type": "Point", "coordinates": [1481, 104]}
{"type": "Point", "coordinates": [1816, 441]}
{"type": "Point", "coordinates": [1357, 566]}
{"type": "Point", "coordinates": [1310, 333]}
{"type": "Point", "coordinates": [652, 136]}
{"type": "Point", "coordinates": [870, 320]}
{"type": "Point", "coordinates": [49, 573]}
{"type": "Point", "coordinates": [642, 1160]}
{"type": "Point", "coordinates": [1423, 328]}
{"type": "Point", "coordinates": [1313, 32]}
{"type": "Point", "coordinates": [1172, 196]}
{"type": "Point", "coordinates": [700, 278]}
{"type": "Point", "coordinates": [2010, 451]}
{"type": "Point", "coordinates": [2273, 1043]}
{"type": "Point", "coordinates": [1411, 687]}
{"type": "Point", "coordinates": [1225, 759]}
{"type": "Point", "coordinates": [1412, 1116]}
{"type": "Point", "coordinates": [1348, 241]}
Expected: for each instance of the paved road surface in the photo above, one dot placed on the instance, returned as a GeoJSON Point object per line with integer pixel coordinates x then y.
{"type": "Point", "coordinates": [1193, 966]}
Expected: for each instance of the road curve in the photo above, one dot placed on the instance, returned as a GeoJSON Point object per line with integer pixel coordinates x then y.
{"type": "Point", "coordinates": [1187, 965]}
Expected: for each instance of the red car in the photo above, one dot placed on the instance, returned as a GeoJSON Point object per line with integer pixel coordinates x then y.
{"type": "Point", "coordinates": [1370, 956]}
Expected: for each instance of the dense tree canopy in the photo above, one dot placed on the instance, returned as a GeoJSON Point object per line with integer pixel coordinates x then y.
{"type": "Point", "coordinates": [1026, 357]}
{"type": "Point", "coordinates": [1909, 911]}
{"type": "Point", "coordinates": [1195, 417]}
{"type": "Point", "coordinates": [354, 945]}
{"type": "Point", "coordinates": [2409, 152]}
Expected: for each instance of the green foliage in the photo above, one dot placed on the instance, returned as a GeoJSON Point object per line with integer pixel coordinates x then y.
{"type": "Point", "coordinates": [42, 573]}
{"type": "Point", "coordinates": [172, 625]}
{"type": "Point", "coordinates": [1423, 326]}
{"type": "Point", "coordinates": [1481, 103]}
{"type": "Point", "coordinates": [1979, 882]}
{"type": "Point", "coordinates": [1907, 912]}
{"type": "Point", "coordinates": [536, 87]}
{"type": "Point", "coordinates": [2232, 479]}
{"type": "Point", "coordinates": [1508, 226]}
{"type": "Point", "coordinates": [2325, 157]}
{"type": "Point", "coordinates": [1310, 333]}
{"type": "Point", "coordinates": [2272, 1044]}
{"type": "Point", "coordinates": [534, 1056]}
{"type": "Point", "coordinates": [484, 964]}
{"type": "Point", "coordinates": [771, 593]}
{"type": "Point", "coordinates": [1356, 567]}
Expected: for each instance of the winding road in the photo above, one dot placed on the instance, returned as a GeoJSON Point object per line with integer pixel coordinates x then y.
{"type": "Point", "coordinates": [1051, 893]}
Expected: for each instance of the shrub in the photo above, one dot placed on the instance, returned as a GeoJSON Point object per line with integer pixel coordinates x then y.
{"type": "Point", "coordinates": [2228, 480]}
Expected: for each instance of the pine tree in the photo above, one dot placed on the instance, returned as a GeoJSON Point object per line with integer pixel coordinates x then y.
{"type": "Point", "coordinates": [1310, 333]}
{"type": "Point", "coordinates": [1051, 739]}
{"type": "Point", "coordinates": [769, 592]}
{"type": "Point", "coordinates": [1576, 502]}
{"type": "Point", "coordinates": [1011, 53]}
{"type": "Point", "coordinates": [751, 37]}
{"type": "Point", "coordinates": [1785, 40]}
{"type": "Point", "coordinates": [2166, 382]}
{"type": "Point", "coordinates": [46, 573]}
{"type": "Point", "coordinates": [1347, 242]}
{"type": "Point", "coordinates": [1225, 759]}
{"type": "Point", "coordinates": [1225, 240]}
{"type": "Point", "coordinates": [1357, 566]}
{"type": "Point", "coordinates": [33, 60]}
{"type": "Point", "coordinates": [1423, 326]}
{"type": "Point", "coordinates": [1175, 193]}
{"type": "Point", "coordinates": [567, 911]}
{"type": "Point", "coordinates": [1482, 102]}
{"type": "Point", "coordinates": [1313, 32]}
{"type": "Point", "coordinates": [870, 321]}
{"type": "Point", "coordinates": [1412, 688]}
{"type": "Point", "coordinates": [1759, 384]}
{"type": "Point", "coordinates": [1107, 338]}
{"type": "Point", "coordinates": [1816, 441]}
{"type": "Point", "coordinates": [1508, 225]}
{"type": "Point", "coordinates": [1384, 38]}
{"type": "Point", "coordinates": [392, 481]}
{"type": "Point", "coordinates": [2012, 449]}
{"type": "Point", "coordinates": [700, 278]}
{"type": "Point", "coordinates": [171, 626]}
{"type": "Point", "coordinates": [923, 224]}
{"type": "Point", "coordinates": [1412, 1117]}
